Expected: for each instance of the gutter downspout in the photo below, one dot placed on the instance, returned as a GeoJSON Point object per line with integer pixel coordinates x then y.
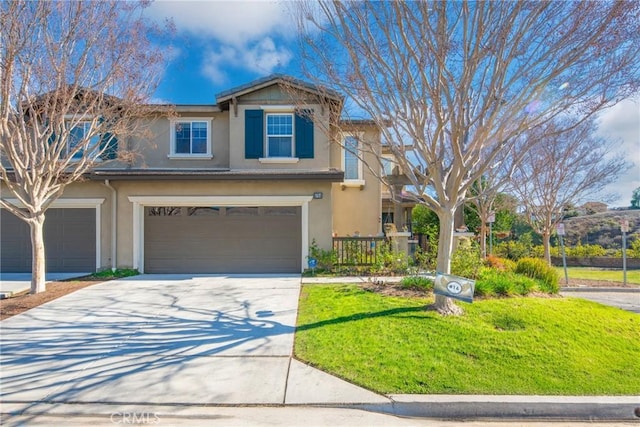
{"type": "Point", "coordinates": [114, 223]}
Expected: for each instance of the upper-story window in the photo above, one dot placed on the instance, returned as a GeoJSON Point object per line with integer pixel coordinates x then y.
{"type": "Point", "coordinates": [190, 138]}
{"type": "Point", "coordinates": [388, 164]}
{"type": "Point", "coordinates": [351, 163]}
{"type": "Point", "coordinates": [78, 137]}
{"type": "Point", "coordinates": [279, 134]}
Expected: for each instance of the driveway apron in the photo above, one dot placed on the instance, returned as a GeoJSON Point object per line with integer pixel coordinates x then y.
{"type": "Point", "coordinates": [155, 339]}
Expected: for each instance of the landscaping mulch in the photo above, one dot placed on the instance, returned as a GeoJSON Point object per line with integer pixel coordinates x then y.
{"type": "Point", "coordinates": [20, 303]}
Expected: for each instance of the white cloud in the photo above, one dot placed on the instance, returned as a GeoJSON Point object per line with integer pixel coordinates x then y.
{"type": "Point", "coordinates": [230, 22]}
{"type": "Point", "coordinates": [622, 123]}
{"type": "Point", "coordinates": [262, 57]}
{"type": "Point", "coordinates": [240, 35]}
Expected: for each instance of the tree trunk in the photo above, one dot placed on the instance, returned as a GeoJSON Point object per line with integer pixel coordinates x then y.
{"type": "Point", "coordinates": [483, 238]}
{"type": "Point", "coordinates": [546, 237]}
{"type": "Point", "coordinates": [445, 305]}
{"type": "Point", "coordinates": [38, 268]}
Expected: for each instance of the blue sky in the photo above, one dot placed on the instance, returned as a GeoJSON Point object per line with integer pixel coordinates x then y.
{"type": "Point", "coordinates": [219, 45]}
{"type": "Point", "coordinates": [222, 44]}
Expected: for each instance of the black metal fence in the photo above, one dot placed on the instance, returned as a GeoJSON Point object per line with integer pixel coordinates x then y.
{"type": "Point", "coordinates": [359, 250]}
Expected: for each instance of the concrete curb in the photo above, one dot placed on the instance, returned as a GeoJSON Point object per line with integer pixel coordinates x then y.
{"type": "Point", "coordinates": [605, 408]}
{"type": "Point", "coordinates": [463, 407]}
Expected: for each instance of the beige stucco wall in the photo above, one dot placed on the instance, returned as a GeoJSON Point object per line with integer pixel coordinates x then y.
{"type": "Point", "coordinates": [357, 209]}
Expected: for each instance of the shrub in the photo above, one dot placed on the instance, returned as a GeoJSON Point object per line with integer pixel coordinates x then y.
{"type": "Point", "coordinates": [326, 259]}
{"type": "Point", "coordinates": [515, 250]}
{"type": "Point", "coordinates": [502, 264]}
{"type": "Point", "coordinates": [417, 282]}
{"type": "Point", "coordinates": [466, 261]}
{"type": "Point", "coordinates": [536, 268]}
{"type": "Point", "coordinates": [586, 251]}
{"type": "Point", "coordinates": [494, 282]}
{"type": "Point", "coordinates": [483, 289]}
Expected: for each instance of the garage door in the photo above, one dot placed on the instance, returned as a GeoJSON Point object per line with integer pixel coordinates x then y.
{"type": "Point", "coordinates": [222, 239]}
{"type": "Point", "coordinates": [69, 238]}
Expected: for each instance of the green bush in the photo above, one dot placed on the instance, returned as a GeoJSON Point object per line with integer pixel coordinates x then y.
{"type": "Point", "coordinates": [494, 282]}
{"type": "Point", "coordinates": [417, 282]}
{"type": "Point", "coordinates": [536, 268]}
{"type": "Point", "coordinates": [515, 250]}
{"type": "Point", "coordinates": [326, 259]}
{"type": "Point", "coordinates": [466, 260]}
{"type": "Point", "coordinates": [502, 264]}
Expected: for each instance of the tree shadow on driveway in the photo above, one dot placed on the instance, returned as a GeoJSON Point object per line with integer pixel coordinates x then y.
{"type": "Point", "coordinates": [81, 348]}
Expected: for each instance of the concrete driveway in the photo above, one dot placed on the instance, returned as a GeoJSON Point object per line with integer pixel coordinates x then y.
{"type": "Point", "coordinates": [165, 340]}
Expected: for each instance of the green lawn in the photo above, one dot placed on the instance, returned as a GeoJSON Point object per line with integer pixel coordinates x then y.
{"type": "Point", "coordinates": [553, 346]}
{"type": "Point", "coordinates": [633, 276]}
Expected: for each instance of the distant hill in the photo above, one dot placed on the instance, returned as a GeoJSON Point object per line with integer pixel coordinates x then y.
{"type": "Point", "coordinates": [602, 228]}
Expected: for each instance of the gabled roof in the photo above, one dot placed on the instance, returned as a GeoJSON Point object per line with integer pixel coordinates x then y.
{"type": "Point", "coordinates": [279, 79]}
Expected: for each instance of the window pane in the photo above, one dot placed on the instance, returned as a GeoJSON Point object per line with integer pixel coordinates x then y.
{"type": "Point", "coordinates": [183, 138]}
{"type": "Point", "coordinates": [350, 166]}
{"type": "Point", "coordinates": [280, 146]}
{"type": "Point", "coordinates": [387, 166]}
{"type": "Point", "coordinates": [350, 158]}
{"type": "Point", "coordinates": [199, 137]}
{"type": "Point", "coordinates": [76, 136]}
{"type": "Point", "coordinates": [280, 211]}
{"type": "Point", "coordinates": [242, 211]}
{"type": "Point", "coordinates": [279, 124]}
{"type": "Point", "coordinates": [164, 211]}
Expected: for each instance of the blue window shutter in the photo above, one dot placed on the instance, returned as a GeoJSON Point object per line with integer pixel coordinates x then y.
{"type": "Point", "coordinates": [109, 145]}
{"type": "Point", "coordinates": [253, 134]}
{"type": "Point", "coordinates": [304, 135]}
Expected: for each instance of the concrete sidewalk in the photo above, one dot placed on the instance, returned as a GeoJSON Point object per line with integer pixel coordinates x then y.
{"type": "Point", "coordinates": [15, 283]}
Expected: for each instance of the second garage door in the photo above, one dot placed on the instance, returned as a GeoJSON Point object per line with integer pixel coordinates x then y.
{"type": "Point", "coordinates": [222, 239]}
{"type": "Point", "coordinates": [69, 240]}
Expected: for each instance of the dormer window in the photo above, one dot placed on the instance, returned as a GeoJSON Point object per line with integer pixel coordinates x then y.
{"type": "Point", "coordinates": [190, 138]}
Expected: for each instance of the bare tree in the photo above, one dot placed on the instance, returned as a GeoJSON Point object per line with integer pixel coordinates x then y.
{"type": "Point", "coordinates": [74, 78]}
{"type": "Point", "coordinates": [459, 81]}
{"type": "Point", "coordinates": [485, 199]}
{"type": "Point", "coordinates": [560, 170]}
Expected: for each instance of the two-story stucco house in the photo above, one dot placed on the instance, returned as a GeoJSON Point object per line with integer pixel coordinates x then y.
{"type": "Point", "coordinates": [244, 185]}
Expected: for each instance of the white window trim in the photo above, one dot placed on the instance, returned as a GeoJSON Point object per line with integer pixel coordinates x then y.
{"type": "Point", "coordinates": [279, 110]}
{"type": "Point", "coordinates": [140, 202]}
{"type": "Point", "coordinates": [172, 141]}
{"type": "Point", "coordinates": [78, 203]}
{"type": "Point", "coordinates": [359, 182]}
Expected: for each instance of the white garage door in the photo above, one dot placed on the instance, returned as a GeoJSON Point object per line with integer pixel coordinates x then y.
{"type": "Point", "coordinates": [222, 239]}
